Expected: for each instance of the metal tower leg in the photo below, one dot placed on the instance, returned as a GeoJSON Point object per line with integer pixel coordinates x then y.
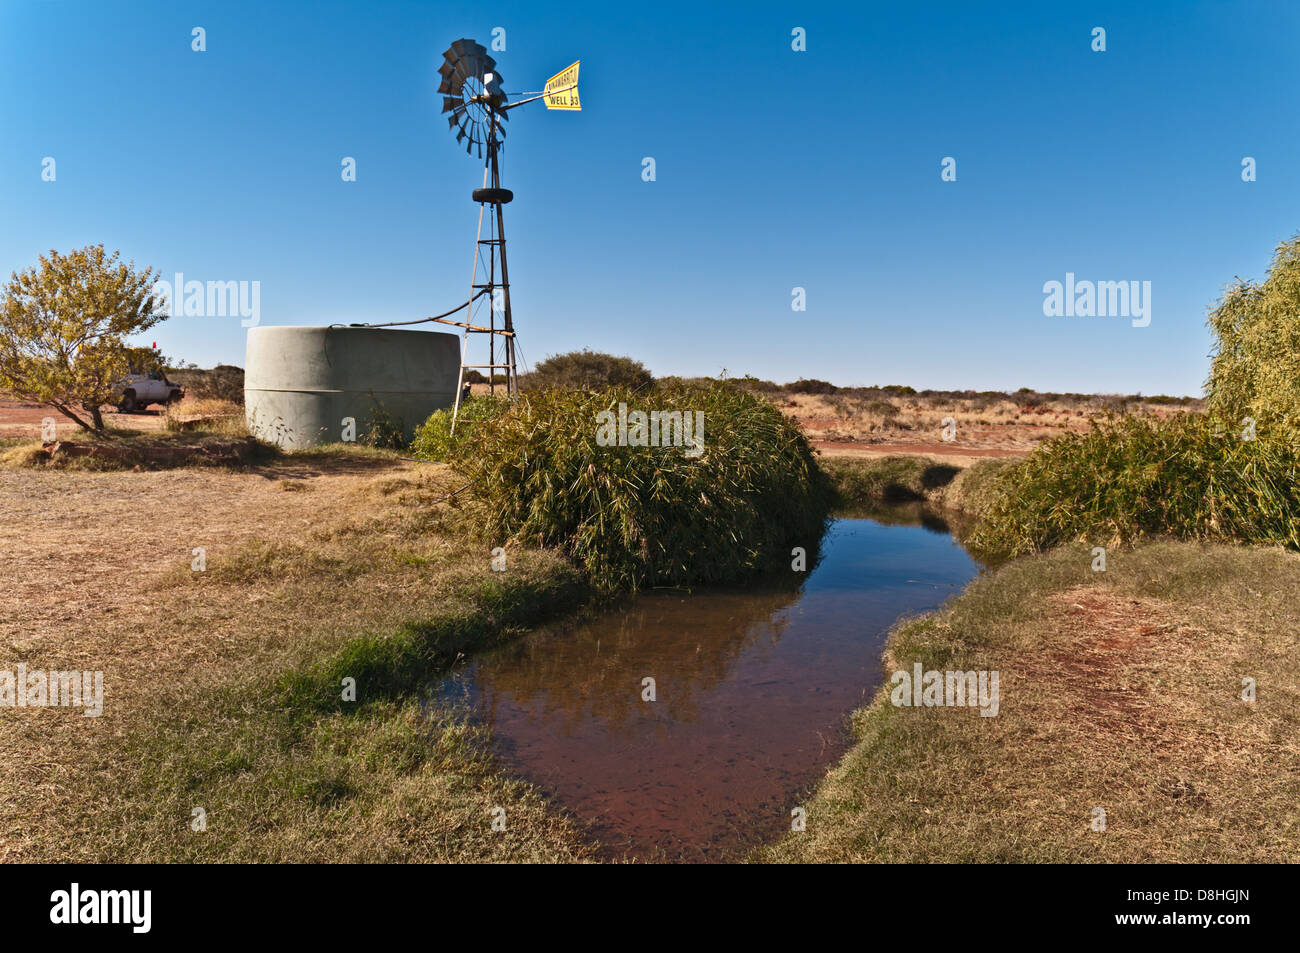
{"type": "Point", "coordinates": [496, 246]}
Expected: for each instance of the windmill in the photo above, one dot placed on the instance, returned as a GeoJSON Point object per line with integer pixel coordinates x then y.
{"type": "Point", "coordinates": [477, 109]}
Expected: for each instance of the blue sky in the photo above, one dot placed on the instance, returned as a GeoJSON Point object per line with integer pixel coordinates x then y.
{"type": "Point", "coordinates": [775, 169]}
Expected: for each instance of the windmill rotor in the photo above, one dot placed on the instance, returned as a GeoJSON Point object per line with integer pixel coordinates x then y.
{"type": "Point", "coordinates": [472, 97]}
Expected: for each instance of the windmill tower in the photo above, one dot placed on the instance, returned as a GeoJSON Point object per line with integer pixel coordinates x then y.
{"type": "Point", "coordinates": [477, 109]}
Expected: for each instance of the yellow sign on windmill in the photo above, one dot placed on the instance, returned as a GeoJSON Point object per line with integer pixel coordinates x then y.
{"type": "Point", "coordinates": [562, 89]}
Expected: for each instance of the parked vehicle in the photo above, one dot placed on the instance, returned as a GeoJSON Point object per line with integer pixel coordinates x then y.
{"type": "Point", "coordinates": [141, 390]}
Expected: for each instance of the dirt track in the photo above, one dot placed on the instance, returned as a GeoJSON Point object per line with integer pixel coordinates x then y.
{"type": "Point", "coordinates": [24, 420]}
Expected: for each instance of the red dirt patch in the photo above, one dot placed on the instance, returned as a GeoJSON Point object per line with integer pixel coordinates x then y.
{"type": "Point", "coordinates": [18, 419]}
{"type": "Point", "coordinates": [1100, 656]}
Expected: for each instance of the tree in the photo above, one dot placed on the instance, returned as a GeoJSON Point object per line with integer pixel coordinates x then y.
{"type": "Point", "coordinates": [1256, 367]}
{"type": "Point", "coordinates": [63, 325]}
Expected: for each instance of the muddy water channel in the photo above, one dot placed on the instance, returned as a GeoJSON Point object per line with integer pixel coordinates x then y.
{"type": "Point", "coordinates": [751, 692]}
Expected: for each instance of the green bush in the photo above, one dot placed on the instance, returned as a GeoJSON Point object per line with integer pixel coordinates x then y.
{"type": "Point", "coordinates": [1256, 366]}
{"type": "Point", "coordinates": [1189, 476]}
{"type": "Point", "coordinates": [434, 440]}
{"type": "Point", "coordinates": [586, 370]}
{"type": "Point", "coordinates": [634, 516]}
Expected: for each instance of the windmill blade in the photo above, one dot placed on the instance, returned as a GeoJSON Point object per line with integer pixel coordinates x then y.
{"type": "Point", "coordinates": [449, 84]}
{"type": "Point", "coordinates": [460, 48]}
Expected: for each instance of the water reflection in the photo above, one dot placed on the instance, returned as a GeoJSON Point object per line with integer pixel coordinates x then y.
{"type": "Point", "coordinates": [751, 692]}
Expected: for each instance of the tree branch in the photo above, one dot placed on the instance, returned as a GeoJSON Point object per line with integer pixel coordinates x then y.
{"type": "Point", "coordinates": [68, 413]}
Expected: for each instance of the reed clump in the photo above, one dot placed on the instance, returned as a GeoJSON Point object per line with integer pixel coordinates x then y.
{"type": "Point", "coordinates": [1189, 476]}
{"type": "Point", "coordinates": [729, 501]}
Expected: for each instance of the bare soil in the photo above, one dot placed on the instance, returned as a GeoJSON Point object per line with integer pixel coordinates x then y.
{"type": "Point", "coordinates": [25, 420]}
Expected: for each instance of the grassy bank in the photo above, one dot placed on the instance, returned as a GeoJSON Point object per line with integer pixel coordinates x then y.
{"type": "Point", "coordinates": [866, 483]}
{"type": "Point", "coordinates": [224, 687]}
{"type": "Point", "coordinates": [1119, 690]}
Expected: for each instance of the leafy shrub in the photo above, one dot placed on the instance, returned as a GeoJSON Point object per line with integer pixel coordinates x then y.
{"type": "Point", "coordinates": [1256, 366]}
{"type": "Point", "coordinates": [1188, 476]}
{"type": "Point", "coordinates": [587, 370]}
{"type": "Point", "coordinates": [434, 440]}
{"type": "Point", "coordinates": [635, 516]}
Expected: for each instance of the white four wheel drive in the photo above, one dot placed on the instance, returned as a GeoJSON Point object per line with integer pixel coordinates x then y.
{"type": "Point", "coordinates": [141, 390]}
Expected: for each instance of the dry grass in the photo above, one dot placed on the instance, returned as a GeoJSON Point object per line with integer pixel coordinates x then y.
{"type": "Point", "coordinates": [195, 667]}
{"type": "Point", "coordinates": [209, 413]}
{"type": "Point", "coordinates": [981, 422]}
{"type": "Point", "coordinates": [1119, 690]}
{"type": "Point", "coordinates": [206, 407]}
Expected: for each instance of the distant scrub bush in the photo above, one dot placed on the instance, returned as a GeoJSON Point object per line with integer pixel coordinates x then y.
{"type": "Point", "coordinates": [588, 370]}
{"type": "Point", "coordinates": [750, 382]}
{"type": "Point", "coordinates": [810, 386]}
{"type": "Point", "coordinates": [1189, 476]}
{"type": "Point", "coordinates": [223, 382]}
{"type": "Point", "coordinates": [472, 376]}
{"type": "Point", "coordinates": [643, 516]}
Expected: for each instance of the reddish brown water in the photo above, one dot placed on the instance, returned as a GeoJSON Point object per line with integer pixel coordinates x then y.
{"type": "Point", "coordinates": [751, 693]}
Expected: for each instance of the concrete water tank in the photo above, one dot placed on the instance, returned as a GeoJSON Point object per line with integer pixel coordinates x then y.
{"type": "Point", "coordinates": [300, 383]}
